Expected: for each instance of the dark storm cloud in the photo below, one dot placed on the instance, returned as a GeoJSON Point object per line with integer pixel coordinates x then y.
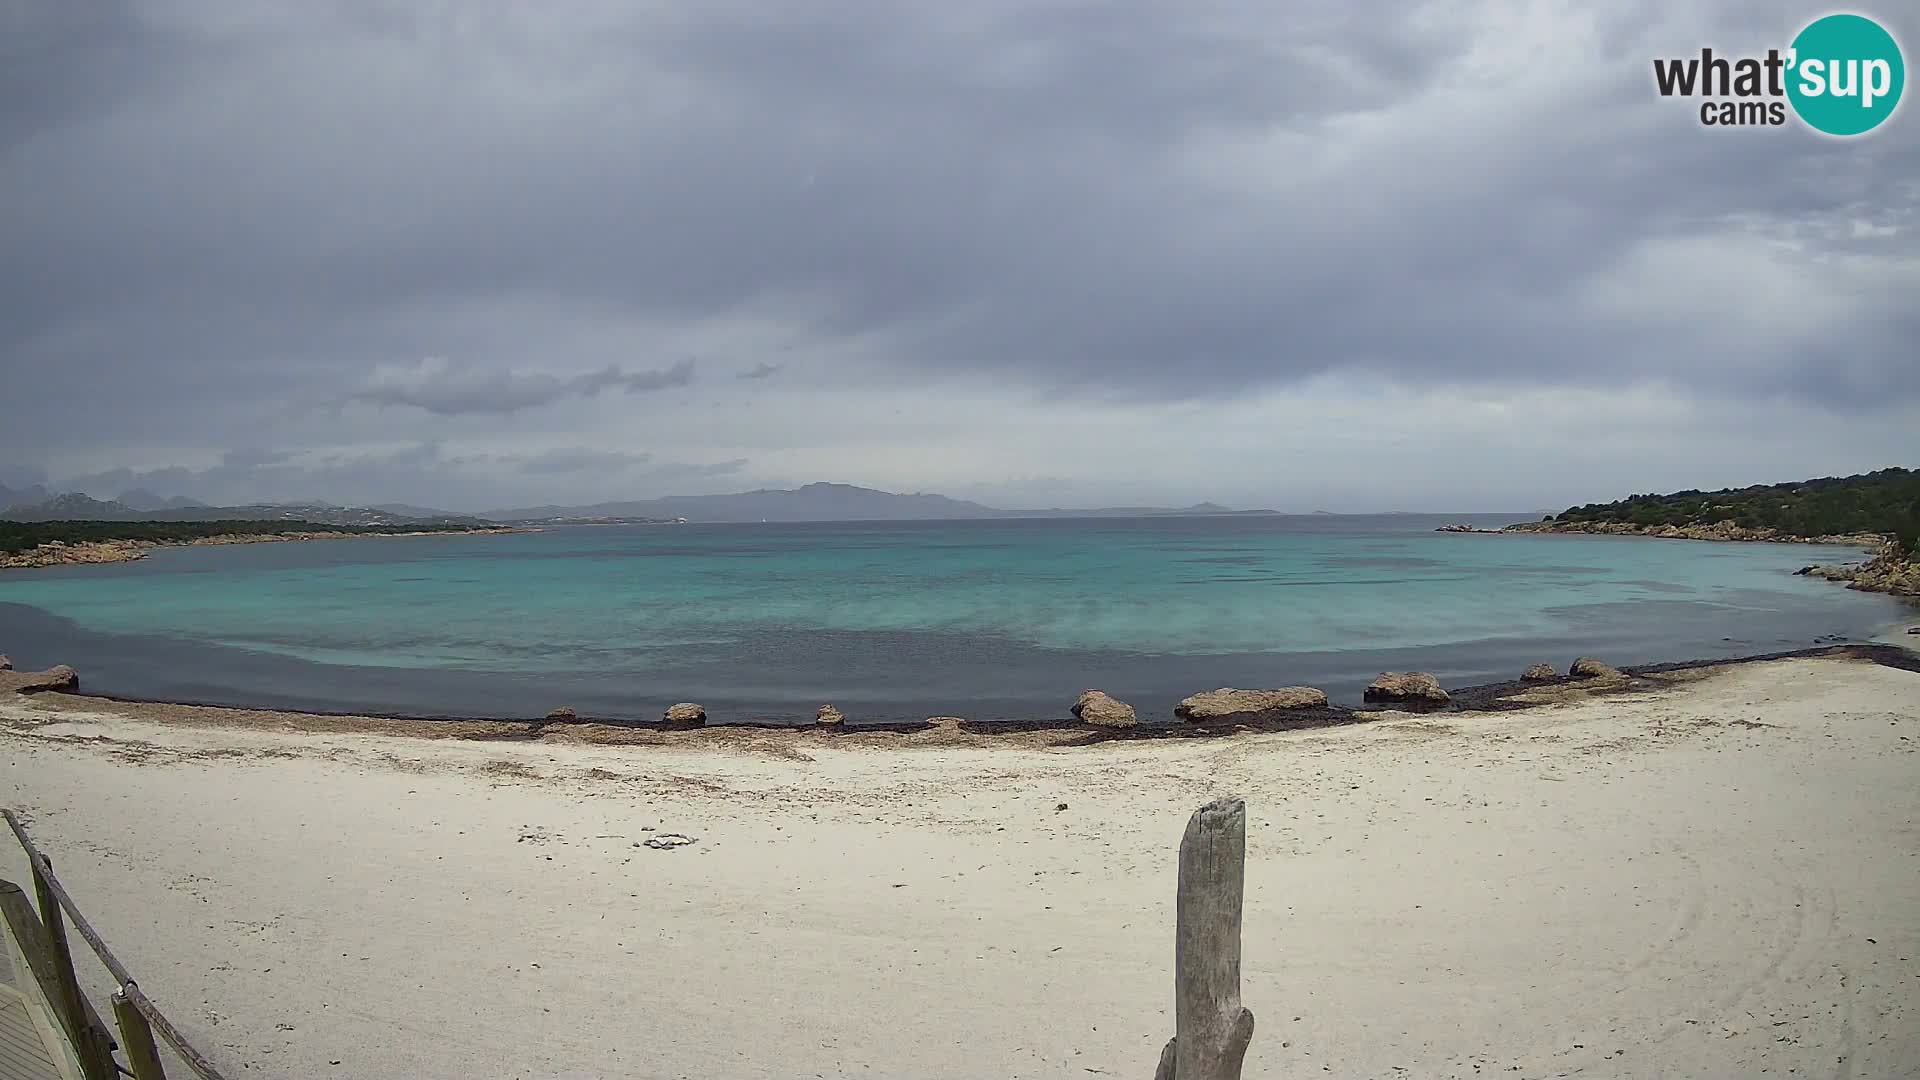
{"type": "Point", "coordinates": [214, 211]}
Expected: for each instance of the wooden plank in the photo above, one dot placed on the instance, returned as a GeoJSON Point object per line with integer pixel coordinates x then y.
{"type": "Point", "coordinates": [29, 1046]}
{"type": "Point", "coordinates": [30, 942]}
{"type": "Point", "coordinates": [142, 1056]}
{"type": "Point", "coordinates": [66, 996]}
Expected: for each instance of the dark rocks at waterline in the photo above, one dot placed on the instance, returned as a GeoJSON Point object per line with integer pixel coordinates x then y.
{"type": "Point", "coordinates": [1539, 673]}
{"type": "Point", "coordinates": [951, 723]}
{"type": "Point", "coordinates": [5, 664]}
{"type": "Point", "coordinates": [685, 712]}
{"type": "Point", "coordinates": [829, 716]}
{"type": "Point", "coordinates": [1415, 689]}
{"type": "Point", "coordinates": [562, 715]}
{"type": "Point", "coordinates": [1228, 703]}
{"type": "Point", "coordinates": [1587, 667]}
{"type": "Point", "coordinates": [1100, 709]}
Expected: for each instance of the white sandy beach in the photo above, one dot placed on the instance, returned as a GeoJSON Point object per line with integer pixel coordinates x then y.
{"type": "Point", "coordinates": [1637, 886]}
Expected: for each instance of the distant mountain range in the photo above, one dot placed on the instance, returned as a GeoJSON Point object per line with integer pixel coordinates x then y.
{"type": "Point", "coordinates": [813, 502]}
{"type": "Point", "coordinates": [73, 506]}
{"type": "Point", "coordinates": [817, 502]}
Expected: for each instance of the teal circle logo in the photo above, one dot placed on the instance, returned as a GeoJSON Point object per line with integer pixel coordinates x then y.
{"type": "Point", "coordinates": [1846, 74]}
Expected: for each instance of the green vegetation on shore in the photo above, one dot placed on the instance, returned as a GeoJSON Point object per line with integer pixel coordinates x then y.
{"type": "Point", "coordinates": [1886, 502]}
{"type": "Point", "coordinates": [17, 536]}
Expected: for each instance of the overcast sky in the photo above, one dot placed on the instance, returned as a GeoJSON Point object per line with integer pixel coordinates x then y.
{"type": "Point", "coordinates": [1320, 254]}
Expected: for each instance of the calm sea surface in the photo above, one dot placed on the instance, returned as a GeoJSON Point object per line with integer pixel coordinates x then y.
{"type": "Point", "coordinates": [986, 619]}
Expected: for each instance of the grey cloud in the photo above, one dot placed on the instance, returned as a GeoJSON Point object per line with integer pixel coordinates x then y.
{"type": "Point", "coordinates": [762, 370]}
{"type": "Point", "coordinates": [581, 459]}
{"type": "Point", "coordinates": [214, 217]}
{"type": "Point", "coordinates": [437, 387]}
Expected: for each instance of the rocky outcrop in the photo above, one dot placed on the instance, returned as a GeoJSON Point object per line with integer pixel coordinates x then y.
{"type": "Point", "coordinates": [1464, 528]}
{"type": "Point", "coordinates": [1228, 703]}
{"type": "Point", "coordinates": [1884, 573]}
{"type": "Point", "coordinates": [59, 677]}
{"type": "Point", "coordinates": [1719, 530]}
{"type": "Point", "coordinates": [828, 715]}
{"type": "Point", "coordinates": [1587, 667]}
{"type": "Point", "coordinates": [1415, 688]}
{"type": "Point", "coordinates": [5, 664]}
{"type": "Point", "coordinates": [57, 553]}
{"type": "Point", "coordinates": [1100, 709]}
{"type": "Point", "coordinates": [686, 712]}
{"type": "Point", "coordinates": [947, 723]}
{"type": "Point", "coordinates": [562, 715]}
{"type": "Point", "coordinates": [1539, 673]}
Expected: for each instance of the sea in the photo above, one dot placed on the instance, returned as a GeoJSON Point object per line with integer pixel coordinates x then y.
{"type": "Point", "coordinates": [891, 621]}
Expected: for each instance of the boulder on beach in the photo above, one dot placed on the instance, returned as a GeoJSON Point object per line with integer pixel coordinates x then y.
{"type": "Point", "coordinates": [1417, 688]}
{"type": "Point", "coordinates": [827, 714]}
{"type": "Point", "coordinates": [1227, 702]}
{"type": "Point", "coordinates": [949, 722]}
{"type": "Point", "coordinates": [686, 712]}
{"type": "Point", "coordinates": [5, 664]}
{"type": "Point", "coordinates": [562, 715]}
{"type": "Point", "coordinates": [1101, 709]}
{"type": "Point", "coordinates": [1588, 668]}
{"type": "Point", "coordinates": [1539, 673]}
{"type": "Point", "coordinates": [58, 677]}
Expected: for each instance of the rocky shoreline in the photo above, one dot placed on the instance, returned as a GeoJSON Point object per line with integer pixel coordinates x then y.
{"type": "Point", "coordinates": [1723, 531]}
{"type": "Point", "coordinates": [1886, 572]}
{"type": "Point", "coordinates": [1095, 716]}
{"type": "Point", "coordinates": [60, 553]}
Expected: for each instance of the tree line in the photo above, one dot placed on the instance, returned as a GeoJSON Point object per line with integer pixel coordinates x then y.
{"type": "Point", "coordinates": [1886, 502]}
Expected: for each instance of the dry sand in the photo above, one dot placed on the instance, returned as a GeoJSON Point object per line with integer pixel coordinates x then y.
{"type": "Point", "coordinates": [1719, 879]}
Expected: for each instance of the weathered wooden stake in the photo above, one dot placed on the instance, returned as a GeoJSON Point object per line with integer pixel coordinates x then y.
{"type": "Point", "coordinates": [1211, 1027]}
{"type": "Point", "coordinates": [89, 1045]}
{"type": "Point", "coordinates": [137, 1039]}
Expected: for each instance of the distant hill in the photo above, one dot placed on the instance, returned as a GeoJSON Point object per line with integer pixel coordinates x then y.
{"type": "Point", "coordinates": [819, 502]}
{"type": "Point", "coordinates": [814, 502]}
{"type": "Point", "coordinates": [143, 500]}
{"type": "Point", "coordinates": [74, 506]}
{"type": "Point", "coordinates": [1886, 502]}
{"type": "Point", "coordinates": [23, 496]}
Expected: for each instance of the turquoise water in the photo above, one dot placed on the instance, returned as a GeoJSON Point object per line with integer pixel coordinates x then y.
{"type": "Point", "coordinates": [1013, 617]}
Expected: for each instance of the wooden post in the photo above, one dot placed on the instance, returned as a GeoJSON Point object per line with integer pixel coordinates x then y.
{"type": "Point", "coordinates": [1211, 1027]}
{"type": "Point", "coordinates": [137, 1039]}
{"type": "Point", "coordinates": [89, 1044]}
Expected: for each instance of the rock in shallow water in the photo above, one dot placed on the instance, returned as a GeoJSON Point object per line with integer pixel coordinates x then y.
{"type": "Point", "coordinates": [1228, 702]}
{"type": "Point", "coordinates": [1103, 710]}
{"type": "Point", "coordinates": [1407, 688]}
{"type": "Point", "coordinates": [686, 712]}
{"type": "Point", "coordinates": [1539, 673]}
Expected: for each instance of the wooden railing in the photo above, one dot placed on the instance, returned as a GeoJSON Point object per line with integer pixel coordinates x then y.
{"type": "Point", "coordinates": [1211, 1028]}
{"type": "Point", "coordinates": [43, 941]}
